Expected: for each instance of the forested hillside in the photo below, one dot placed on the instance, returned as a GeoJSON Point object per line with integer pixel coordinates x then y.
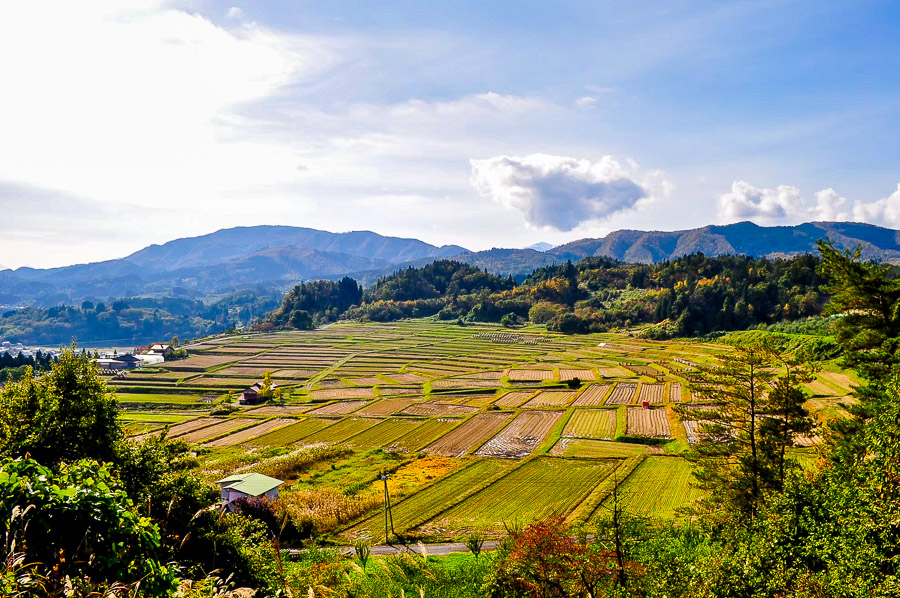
{"type": "Point", "coordinates": [693, 295]}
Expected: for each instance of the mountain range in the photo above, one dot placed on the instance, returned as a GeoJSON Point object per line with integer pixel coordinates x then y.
{"type": "Point", "coordinates": [273, 258]}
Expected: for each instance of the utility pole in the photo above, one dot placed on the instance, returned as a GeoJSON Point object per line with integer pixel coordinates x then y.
{"type": "Point", "coordinates": [388, 515]}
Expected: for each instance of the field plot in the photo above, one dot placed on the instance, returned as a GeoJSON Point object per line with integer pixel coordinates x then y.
{"type": "Point", "coordinates": [198, 363]}
{"type": "Point", "coordinates": [244, 435]}
{"type": "Point", "coordinates": [539, 488]}
{"type": "Point", "coordinates": [385, 407]}
{"type": "Point", "coordinates": [280, 410]}
{"type": "Point", "coordinates": [339, 408]}
{"type": "Point", "coordinates": [384, 434]}
{"type": "Point", "coordinates": [571, 374]}
{"type": "Point", "coordinates": [468, 435]}
{"type": "Point", "coordinates": [529, 375]}
{"type": "Point", "coordinates": [431, 501]}
{"type": "Point", "coordinates": [650, 423]}
{"type": "Point", "coordinates": [369, 381]}
{"type": "Point", "coordinates": [194, 424]}
{"type": "Point", "coordinates": [463, 383]}
{"type": "Point", "coordinates": [401, 390]}
{"type": "Point", "coordinates": [341, 431]}
{"type": "Point", "coordinates": [674, 392]}
{"type": "Point", "coordinates": [291, 373]}
{"type": "Point", "coordinates": [622, 394]}
{"type": "Point", "coordinates": [653, 393]}
{"type": "Point", "coordinates": [439, 409]}
{"type": "Point", "coordinates": [513, 399]}
{"type": "Point", "coordinates": [428, 432]}
{"type": "Point", "coordinates": [614, 372]}
{"type": "Point", "coordinates": [670, 480]}
{"type": "Point", "coordinates": [292, 433]}
{"type": "Point", "coordinates": [596, 449]}
{"type": "Point", "coordinates": [522, 436]}
{"type": "Point", "coordinates": [592, 423]}
{"type": "Point", "coordinates": [592, 396]}
{"type": "Point", "coordinates": [180, 399]}
{"type": "Point", "coordinates": [342, 393]}
{"type": "Point", "coordinates": [223, 427]}
{"type": "Point", "coordinates": [692, 430]}
{"type": "Point", "coordinates": [550, 398]}
{"type": "Point", "coordinates": [407, 378]}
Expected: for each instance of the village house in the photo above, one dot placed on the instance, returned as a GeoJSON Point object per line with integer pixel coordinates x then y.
{"type": "Point", "coordinates": [246, 485]}
{"type": "Point", "coordinates": [250, 396]}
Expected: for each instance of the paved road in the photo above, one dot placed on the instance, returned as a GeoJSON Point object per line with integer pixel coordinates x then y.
{"type": "Point", "coordinates": [435, 549]}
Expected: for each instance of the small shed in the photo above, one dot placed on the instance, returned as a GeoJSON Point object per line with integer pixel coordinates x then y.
{"type": "Point", "coordinates": [251, 395]}
{"type": "Point", "coordinates": [245, 485]}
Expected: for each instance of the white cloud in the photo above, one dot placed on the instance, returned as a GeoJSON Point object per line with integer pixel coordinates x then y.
{"type": "Point", "coordinates": [768, 206]}
{"type": "Point", "coordinates": [884, 212]}
{"type": "Point", "coordinates": [585, 101]}
{"type": "Point", "coordinates": [830, 206]}
{"type": "Point", "coordinates": [234, 12]}
{"type": "Point", "coordinates": [558, 192]}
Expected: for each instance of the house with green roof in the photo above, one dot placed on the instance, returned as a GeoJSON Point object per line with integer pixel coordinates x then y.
{"type": "Point", "coordinates": [244, 485]}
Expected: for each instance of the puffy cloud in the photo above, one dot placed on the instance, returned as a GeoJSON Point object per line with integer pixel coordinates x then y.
{"type": "Point", "coordinates": [830, 206]}
{"type": "Point", "coordinates": [556, 191]}
{"type": "Point", "coordinates": [746, 202]}
{"type": "Point", "coordinates": [585, 101]}
{"type": "Point", "coordinates": [885, 211]}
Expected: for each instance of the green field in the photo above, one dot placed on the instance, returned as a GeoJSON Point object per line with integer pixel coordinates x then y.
{"type": "Point", "coordinates": [668, 478]}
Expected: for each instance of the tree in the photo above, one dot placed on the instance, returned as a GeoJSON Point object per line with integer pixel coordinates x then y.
{"type": "Point", "coordinates": [78, 527]}
{"type": "Point", "coordinates": [745, 426]}
{"type": "Point", "coordinates": [65, 415]}
{"type": "Point", "coordinates": [266, 386]}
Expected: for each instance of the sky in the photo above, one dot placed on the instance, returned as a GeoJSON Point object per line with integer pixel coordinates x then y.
{"type": "Point", "coordinates": [483, 124]}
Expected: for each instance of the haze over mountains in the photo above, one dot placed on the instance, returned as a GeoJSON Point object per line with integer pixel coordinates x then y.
{"type": "Point", "coordinates": [276, 257]}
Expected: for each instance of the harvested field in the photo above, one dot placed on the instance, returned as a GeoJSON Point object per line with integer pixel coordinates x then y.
{"type": "Point", "coordinates": [384, 434]}
{"type": "Point", "coordinates": [596, 449]}
{"type": "Point", "coordinates": [341, 431]}
{"type": "Point", "coordinates": [469, 435]}
{"type": "Point", "coordinates": [592, 395]}
{"type": "Point", "coordinates": [339, 408]}
{"type": "Point", "coordinates": [425, 434]}
{"type": "Point", "coordinates": [407, 378]}
{"type": "Point", "coordinates": [692, 430]}
{"type": "Point", "coordinates": [538, 489]}
{"type": "Point", "coordinates": [194, 424]}
{"type": "Point", "coordinates": [223, 427]}
{"type": "Point", "coordinates": [513, 399]}
{"type": "Point", "coordinates": [196, 363]}
{"type": "Point", "coordinates": [529, 375]}
{"type": "Point", "coordinates": [671, 481]}
{"type": "Point", "coordinates": [622, 394]}
{"type": "Point", "coordinates": [650, 423]}
{"type": "Point", "coordinates": [675, 392]}
{"type": "Point", "coordinates": [484, 376]}
{"type": "Point", "coordinates": [385, 407]}
{"type": "Point", "coordinates": [570, 374]}
{"type": "Point", "coordinates": [614, 372]}
{"type": "Point", "coordinates": [439, 409]}
{"type": "Point", "coordinates": [247, 434]}
{"type": "Point", "coordinates": [294, 373]}
{"type": "Point", "coordinates": [342, 393]}
{"type": "Point", "coordinates": [522, 436]}
{"type": "Point", "coordinates": [280, 410]}
{"type": "Point", "coordinates": [653, 393]}
{"type": "Point", "coordinates": [592, 423]}
{"type": "Point", "coordinates": [401, 390]}
{"type": "Point", "coordinates": [463, 383]}
{"type": "Point", "coordinates": [369, 381]}
{"type": "Point", "coordinates": [550, 398]}
{"type": "Point", "coordinates": [292, 433]}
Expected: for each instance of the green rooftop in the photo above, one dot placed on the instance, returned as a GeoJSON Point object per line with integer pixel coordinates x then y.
{"type": "Point", "coordinates": [251, 484]}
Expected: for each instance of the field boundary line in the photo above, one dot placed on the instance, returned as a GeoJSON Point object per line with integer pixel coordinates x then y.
{"type": "Point", "coordinates": [598, 496]}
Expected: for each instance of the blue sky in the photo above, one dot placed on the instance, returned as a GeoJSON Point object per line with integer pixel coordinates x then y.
{"type": "Point", "coordinates": [476, 123]}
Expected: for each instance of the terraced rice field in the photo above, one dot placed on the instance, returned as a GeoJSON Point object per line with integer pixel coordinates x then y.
{"type": "Point", "coordinates": [570, 374]}
{"type": "Point", "coordinates": [439, 409]}
{"type": "Point", "coordinates": [653, 393]}
{"type": "Point", "coordinates": [622, 394]}
{"type": "Point", "coordinates": [292, 433]}
{"type": "Point", "coordinates": [539, 488]}
{"type": "Point", "coordinates": [674, 392]}
{"type": "Point", "coordinates": [342, 393]}
{"type": "Point", "coordinates": [592, 396]}
{"type": "Point", "coordinates": [385, 407]}
{"type": "Point", "coordinates": [248, 433]}
{"type": "Point", "coordinates": [530, 375]}
{"type": "Point", "coordinates": [433, 500]}
{"type": "Point", "coordinates": [385, 433]}
{"type": "Point", "coordinates": [669, 477]}
{"type": "Point", "coordinates": [341, 431]}
{"type": "Point", "coordinates": [513, 399]}
{"type": "Point", "coordinates": [651, 423]}
{"type": "Point", "coordinates": [596, 449]}
{"type": "Point", "coordinates": [522, 436]}
{"type": "Point", "coordinates": [550, 398]}
{"type": "Point", "coordinates": [339, 408]}
{"type": "Point", "coordinates": [223, 427]}
{"type": "Point", "coordinates": [591, 423]}
{"type": "Point", "coordinates": [469, 435]}
{"type": "Point", "coordinates": [280, 410]}
{"type": "Point", "coordinates": [425, 434]}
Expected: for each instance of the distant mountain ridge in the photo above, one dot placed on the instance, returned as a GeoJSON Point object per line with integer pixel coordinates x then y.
{"type": "Point", "coordinates": [274, 258]}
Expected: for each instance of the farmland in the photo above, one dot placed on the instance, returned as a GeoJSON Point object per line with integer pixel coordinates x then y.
{"type": "Point", "coordinates": [535, 421]}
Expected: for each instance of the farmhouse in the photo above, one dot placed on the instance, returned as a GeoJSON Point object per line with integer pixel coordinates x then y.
{"type": "Point", "coordinates": [244, 485]}
{"type": "Point", "coordinates": [251, 395]}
